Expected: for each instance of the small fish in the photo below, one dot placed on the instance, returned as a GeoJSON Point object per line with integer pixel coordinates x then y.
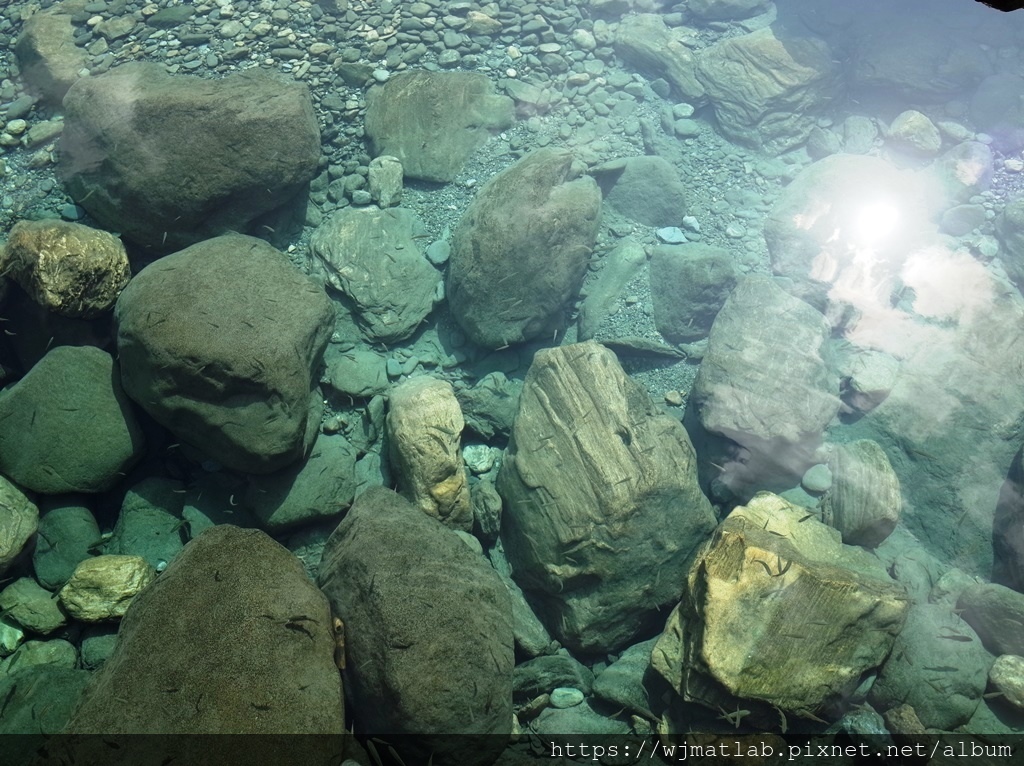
{"type": "Point", "coordinates": [943, 669]}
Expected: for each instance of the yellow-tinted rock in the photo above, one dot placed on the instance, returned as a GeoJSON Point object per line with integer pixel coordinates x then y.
{"type": "Point", "coordinates": [67, 268]}
{"type": "Point", "coordinates": [103, 587]}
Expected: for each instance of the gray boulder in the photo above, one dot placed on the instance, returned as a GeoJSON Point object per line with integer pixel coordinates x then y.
{"type": "Point", "coordinates": [428, 633]}
{"type": "Point", "coordinates": [489, 407]}
{"type": "Point", "coordinates": [150, 522]}
{"type": "Point", "coordinates": [233, 638]}
{"type": "Point", "coordinates": [172, 160]}
{"type": "Point", "coordinates": [646, 43]}
{"type": "Point", "coordinates": [937, 666]}
{"type": "Point", "coordinates": [220, 343]}
{"type": "Point", "coordinates": [689, 285]}
{"type": "Point", "coordinates": [433, 121]}
{"type": "Point", "coordinates": [864, 501]}
{"type": "Point", "coordinates": [997, 614]}
{"type": "Point", "coordinates": [68, 425]}
{"type": "Point", "coordinates": [521, 249]}
{"type": "Point", "coordinates": [67, 533]}
{"type": "Point", "coordinates": [767, 90]}
{"type": "Point", "coordinates": [602, 508]}
{"type": "Point", "coordinates": [47, 55]}
{"type": "Point", "coordinates": [644, 189]}
{"type": "Point", "coordinates": [764, 383]}
{"type": "Point", "coordinates": [372, 258]}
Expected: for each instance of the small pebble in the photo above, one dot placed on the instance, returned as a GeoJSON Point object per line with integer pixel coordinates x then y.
{"type": "Point", "coordinates": [565, 696]}
{"type": "Point", "coordinates": [671, 235]}
{"type": "Point", "coordinates": [673, 398]}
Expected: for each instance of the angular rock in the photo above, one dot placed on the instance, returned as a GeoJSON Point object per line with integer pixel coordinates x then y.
{"type": "Point", "coordinates": [67, 533]}
{"type": "Point", "coordinates": [236, 628]}
{"type": "Point", "coordinates": [372, 257]}
{"type": "Point", "coordinates": [531, 637]}
{"type": "Point", "coordinates": [627, 682]}
{"type": "Point", "coordinates": [689, 285]}
{"type": "Point", "coordinates": [764, 383]}
{"type": "Point", "coordinates": [866, 378]}
{"type": "Point", "coordinates": [645, 43]}
{"type": "Point", "coordinates": [914, 132]}
{"type": "Point", "coordinates": [490, 406]}
{"type": "Point", "coordinates": [778, 613]}
{"type": "Point", "coordinates": [864, 502]}
{"type": "Point", "coordinates": [65, 267]}
{"type": "Point", "coordinates": [521, 249]}
{"type": "Point", "coordinates": [19, 520]}
{"type": "Point", "coordinates": [47, 55]}
{"type": "Point", "coordinates": [428, 633]}
{"type": "Point", "coordinates": [54, 653]}
{"type": "Point", "coordinates": [68, 425]}
{"type": "Point", "coordinates": [997, 614]}
{"type": "Point", "coordinates": [424, 433]}
{"type": "Point", "coordinates": [433, 121]}
{"type": "Point", "coordinates": [172, 160]}
{"type": "Point", "coordinates": [355, 372]}
{"type": "Point", "coordinates": [937, 666]}
{"type": "Point", "coordinates": [644, 189]}
{"type": "Point", "coordinates": [221, 343]}
{"type": "Point", "coordinates": [617, 269]}
{"type": "Point", "coordinates": [1007, 676]}
{"type": "Point", "coordinates": [150, 522]}
{"type": "Point", "coordinates": [31, 607]}
{"type": "Point", "coordinates": [103, 587]}
{"type": "Point", "coordinates": [320, 487]}
{"type": "Point", "coordinates": [543, 675]}
{"type": "Point", "coordinates": [600, 491]}
{"type": "Point", "coordinates": [767, 90]}
{"type": "Point", "coordinates": [385, 181]}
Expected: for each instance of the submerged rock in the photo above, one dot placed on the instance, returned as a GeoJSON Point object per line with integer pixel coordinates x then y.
{"type": "Point", "coordinates": [864, 502]}
{"type": "Point", "coordinates": [602, 508]}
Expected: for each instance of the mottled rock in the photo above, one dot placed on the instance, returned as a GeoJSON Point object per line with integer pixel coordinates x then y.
{"type": "Point", "coordinates": [55, 653]}
{"type": "Point", "coordinates": [220, 343]}
{"type": "Point", "coordinates": [103, 587]}
{"type": "Point", "coordinates": [47, 55]}
{"type": "Point", "coordinates": [864, 502]}
{"type": "Point", "coordinates": [689, 285]}
{"type": "Point", "coordinates": [433, 121]}
{"type": "Point", "coordinates": [65, 267]}
{"type": "Point", "coordinates": [914, 132]}
{"type": "Point", "coordinates": [778, 613]}
{"type": "Point", "coordinates": [941, 678]}
{"type": "Point", "coordinates": [31, 607]}
{"type": "Point", "coordinates": [866, 378]}
{"type": "Point", "coordinates": [645, 43]}
{"type": "Point", "coordinates": [767, 88]}
{"type": "Point", "coordinates": [237, 629]}
{"type": "Point", "coordinates": [169, 161]}
{"type": "Point", "coordinates": [19, 519]}
{"type": "Point", "coordinates": [68, 425]}
{"type": "Point", "coordinates": [428, 633]}
{"type": "Point", "coordinates": [373, 258]}
{"type": "Point", "coordinates": [1007, 676]}
{"type": "Point", "coordinates": [600, 491]}
{"type": "Point", "coordinates": [385, 180]}
{"type": "Point", "coordinates": [521, 249]}
{"type": "Point", "coordinates": [424, 433]}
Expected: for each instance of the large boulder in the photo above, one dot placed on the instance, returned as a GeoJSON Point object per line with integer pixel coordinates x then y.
{"type": "Point", "coordinates": [372, 258]}
{"type": "Point", "coordinates": [49, 60]}
{"type": "Point", "coordinates": [68, 425]}
{"type": "Point", "coordinates": [66, 267]}
{"type": "Point", "coordinates": [233, 638]}
{"type": "Point", "coordinates": [689, 285]}
{"type": "Point", "coordinates": [764, 384]}
{"type": "Point", "coordinates": [521, 249]}
{"type": "Point", "coordinates": [644, 189]}
{"type": "Point", "coordinates": [433, 121]}
{"type": "Point", "coordinates": [220, 343]}
{"type": "Point", "coordinates": [768, 89]}
{"type": "Point", "coordinates": [424, 433]}
{"type": "Point", "coordinates": [646, 43]}
{"type": "Point", "coordinates": [602, 509]}
{"type": "Point", "coordinates": [172, 160]}
{"type": "Point", "coordinates": [428, 633]}
{"type": "Point", "coordinates": [778, 615]}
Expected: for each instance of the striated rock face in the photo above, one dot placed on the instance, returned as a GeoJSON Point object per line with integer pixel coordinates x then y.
{"type": "Point", "coordinates": [220, 343]}
{"type": "Point", "coordinates": [232, 638]}
{"type": "Point", "coordinates": [779, 612]}
{"type": "Point", "coordinates": [764, 384]}
{"type": "Point", "coordinates": [67, 268]}
{"type": "Point", "coordinates": [172, 160]}
{"type": "Point", "coordinates": [433, 121]}
{"type": "Point", "coordinates": [428, 633]}
{"type": "Point", "coordinates": [424, 431]}
{"type": "Point", "coordinates": [68, 425]}
{"type": "Point", "coordinates": [372, 258]}
{"type": "Point", "coordinates": [766, 89]}
{"type": "Point", "coordinates": [864, 502]}
{"type": "Point", "coordinates": [602, 508]}
{"type": "Point", "coordinates": [520, 251]}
